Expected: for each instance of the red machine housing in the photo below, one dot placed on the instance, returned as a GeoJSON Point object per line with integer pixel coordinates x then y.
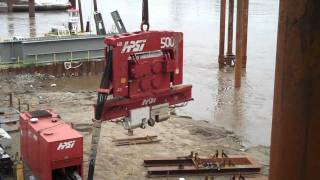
{"type": "Point", "coordinates": [49, 146]}
{"type": "Point", "coordinates": [147, 70]}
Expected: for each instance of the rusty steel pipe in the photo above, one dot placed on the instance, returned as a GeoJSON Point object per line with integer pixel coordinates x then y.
{"type": "Point", "coordinates": [230, 28]}
{"type": "Point", "coordinates": [295, 147]}
{"type": "Point", "coordinates": [239, 44]}
{"type": "Point", "coordinates": [245, 32]}
{"type": "Point", "coordinates": [222, 33]}
{"type": "Point", "coordinates": [32, 8]}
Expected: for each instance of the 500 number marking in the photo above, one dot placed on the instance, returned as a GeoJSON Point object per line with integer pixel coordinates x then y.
{"type": "Point", "coordinates": [167, 42]}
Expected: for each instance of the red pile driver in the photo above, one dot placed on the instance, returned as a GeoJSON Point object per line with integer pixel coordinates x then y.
{"type": "Point", "coordinates": [142, 78]}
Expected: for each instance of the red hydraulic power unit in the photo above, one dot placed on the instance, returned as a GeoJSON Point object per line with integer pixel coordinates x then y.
{"type": "Point", "coordinates": [146, 76]}
{"type": "Point", "coordinates": [50, 147]}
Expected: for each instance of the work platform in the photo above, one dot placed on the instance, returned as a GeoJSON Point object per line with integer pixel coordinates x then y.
{"type": "Point", "coordinates": [51, 49]}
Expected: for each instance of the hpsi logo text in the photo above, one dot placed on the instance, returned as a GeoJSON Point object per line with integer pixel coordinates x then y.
{"type": "Point", "coordinates": [133, 46]}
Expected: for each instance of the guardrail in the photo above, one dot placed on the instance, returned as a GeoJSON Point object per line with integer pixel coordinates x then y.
{"type": "Point", "coordinates": [54, 38]}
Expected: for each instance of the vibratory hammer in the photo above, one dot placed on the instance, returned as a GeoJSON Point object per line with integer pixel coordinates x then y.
{"type": "Point", "coordinates": [142, 78]}
{"type": "Point", "coordinates": [141, 81]}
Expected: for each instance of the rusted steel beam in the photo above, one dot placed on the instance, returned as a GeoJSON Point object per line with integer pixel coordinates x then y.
{"type": "Point", "coordinates": [245, 32]}
{"type": "Point", "coordinates": [230, 57]}
{"type": "Point", "coordinates": [168, 162]}
{"type": "Point", "coordinates": [235, 159]}
{"type": "Point", "coordinates": [135, 141]}
{"type": "Point", "coordinates": [239, 43]}
{"type": "Point", "coordinates": [230, 28]}
{"type": "Point", "coordinates": [196, 165]}
{"type": "Point", "coordinates": [221, 60]}
{"type": "Point", "coordinates": [32, 8]}
{"type": "Point", "coordinates": [295, 138]}
{"type": "Point", "coordinates": [192, 171]}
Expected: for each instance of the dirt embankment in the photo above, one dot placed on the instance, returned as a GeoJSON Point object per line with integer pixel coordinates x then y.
{"type": "Point", "coordinates": [179, 136]}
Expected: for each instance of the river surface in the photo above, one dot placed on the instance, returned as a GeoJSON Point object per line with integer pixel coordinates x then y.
{"type": "Point", "coordinates": [246, 111]}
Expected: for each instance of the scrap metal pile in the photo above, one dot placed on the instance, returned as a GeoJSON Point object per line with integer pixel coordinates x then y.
{"type": "Point", "coordinates": [193, 164]}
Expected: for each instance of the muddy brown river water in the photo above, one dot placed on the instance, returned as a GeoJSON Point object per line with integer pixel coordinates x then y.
{"type": "Point", "coordinates": [247, 111]}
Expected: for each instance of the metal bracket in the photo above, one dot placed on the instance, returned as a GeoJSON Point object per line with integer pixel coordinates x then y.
{"type": "Point", "coordinates": [118, 22]}
{"type": "Point", "coordinates": [100, 28]}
